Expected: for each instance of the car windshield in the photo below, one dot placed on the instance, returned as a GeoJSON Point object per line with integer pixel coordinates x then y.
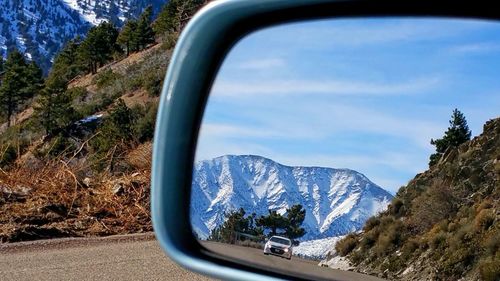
{"type": "Point", "coordinates": [280, 240]}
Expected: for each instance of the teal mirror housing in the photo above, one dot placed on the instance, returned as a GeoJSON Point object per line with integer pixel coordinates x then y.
{"type": "Point", "coordinates": [195, 62]}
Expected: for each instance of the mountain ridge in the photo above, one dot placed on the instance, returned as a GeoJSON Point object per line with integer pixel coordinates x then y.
{"type": "Point", "coordinates": [40, 28]}
{"type": "Point", "coordinates": [259, 184]}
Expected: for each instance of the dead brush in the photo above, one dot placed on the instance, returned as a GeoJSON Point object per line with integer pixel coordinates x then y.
{"type": "Point", "coordinates": [58, 199]}
{"type": "Point", "coordinates": [140, 158]}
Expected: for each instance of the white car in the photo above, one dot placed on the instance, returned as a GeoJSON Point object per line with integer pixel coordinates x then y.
{"type": "Point", "coordinates": [278, 246]}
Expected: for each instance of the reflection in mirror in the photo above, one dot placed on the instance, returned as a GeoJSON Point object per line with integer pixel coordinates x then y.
{"type": "Point", "coordinates": [313, 129]}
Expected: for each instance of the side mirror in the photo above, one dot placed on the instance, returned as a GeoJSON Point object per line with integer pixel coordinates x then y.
{"type": "Point", "coordinates": [199, 54]}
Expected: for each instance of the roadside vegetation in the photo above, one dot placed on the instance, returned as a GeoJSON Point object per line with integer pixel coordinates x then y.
{"type": "Point", "coordinates": [75, 146]}
{"type": "Point", "coordinates": [250, 230]}
{"type": "Point", "coordinates": [445, 224]}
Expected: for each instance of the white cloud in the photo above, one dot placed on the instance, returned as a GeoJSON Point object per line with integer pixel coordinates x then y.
{"type": "Point", "coordinates": [475, 48]}
{"type": "Point", "coordinates": [262, 64]}
{"type": "Point", "coordinates": [331, 87]}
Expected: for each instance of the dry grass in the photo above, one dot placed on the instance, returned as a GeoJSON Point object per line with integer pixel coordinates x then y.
{"type": "Point", "coordinates": [60, 201]}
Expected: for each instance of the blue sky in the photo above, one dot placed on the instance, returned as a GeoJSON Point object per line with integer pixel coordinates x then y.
{"type": "Point", "coordinates": [367, 94]}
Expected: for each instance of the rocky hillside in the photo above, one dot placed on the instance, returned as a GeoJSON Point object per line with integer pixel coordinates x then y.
{"type": "Point", "coordinates": [336, 201]}
{"type": "Point", "coordinates": [39, 28]}
{"type": "Point", "coordinates": [444, 225]}
{"type": "Point", "coordinates": [84, 169]}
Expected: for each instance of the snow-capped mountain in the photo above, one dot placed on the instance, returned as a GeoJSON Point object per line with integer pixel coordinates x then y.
{"type": "Point", "coordinates": [39, 28]}
{"type": "Point", "coordinates": [337, 201]}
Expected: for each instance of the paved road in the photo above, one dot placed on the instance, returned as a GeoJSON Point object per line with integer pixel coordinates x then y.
{"type": "Point", "coordinates": [131, 257]}
{"type": "Point", "coordinates": [136, 257]}
{"type": "Point", "coordinates": [298, 267]}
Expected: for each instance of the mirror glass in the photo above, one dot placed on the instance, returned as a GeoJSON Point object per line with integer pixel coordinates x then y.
{"type": "Point", "coordinates": [312, 129]}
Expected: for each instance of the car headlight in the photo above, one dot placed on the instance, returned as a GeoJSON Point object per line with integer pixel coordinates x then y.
{"type": "Point", "coordinates": [286, 250]}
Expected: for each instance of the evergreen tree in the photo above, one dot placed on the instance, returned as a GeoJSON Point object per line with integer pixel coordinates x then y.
{"type": "Point", "coordinates": [144, 33]}
{"type": "Point", "coordinates": [295, 216]}
{"type": "Point", "coordinates": [128, 37]}
{"type": "Point", "coordinates": [458, 132]}
{"type": "Point", "coordinates": [235, 222]}
{"type": "Point", "coordinates": [66, 64]}
{"type": "Point", "coordinates": [273, 221]}
{"type": "Point", "coordinates": [99, 46]}
{"type": "Point", "coordinates": [14, 84]}
{"type": "Point", "coordinates": [34, 79]}
{"type": "Point", "coordinates": [54, 108]}
{"type": "Point", "coordinates": [175, 14]}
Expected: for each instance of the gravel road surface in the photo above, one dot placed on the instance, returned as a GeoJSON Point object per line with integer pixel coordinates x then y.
{"type": "Point", "coordinates": [133, 257]}
{"type": "Point", "coordinates": [130, 257]}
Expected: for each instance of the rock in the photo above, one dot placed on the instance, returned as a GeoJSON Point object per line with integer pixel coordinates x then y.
{"type": "Point", "coordinates": [17, 194]}
{"type": "Point", "coordinates": [87, 181]}
{"type": "Point", "coordinates": [118, 189]}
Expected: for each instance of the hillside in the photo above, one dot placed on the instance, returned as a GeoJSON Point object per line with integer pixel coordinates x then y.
{"type": "Point", "coordinates": [75, 158]}
{"type": "Point", "coordinates": [41, 28]}
{"type": "Point", "coordinates": [336, 201]}
{"type": "Point", "coordinates": [444, 225]}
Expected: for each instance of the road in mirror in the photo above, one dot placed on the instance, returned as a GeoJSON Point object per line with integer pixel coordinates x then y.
{"type": "Point", "coordinates": [362, 145]}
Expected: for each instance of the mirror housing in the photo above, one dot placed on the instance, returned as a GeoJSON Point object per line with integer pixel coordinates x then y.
{"type": "Point", "coordinates": [198, 55]}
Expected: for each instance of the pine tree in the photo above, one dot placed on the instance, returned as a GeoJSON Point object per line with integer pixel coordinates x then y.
{"type": "Point", "coordinates": [66, 64]}
{"type": "Point", "coordinates": [14, 84]}
{"type": "Point", "coordinates": [144, 33]}
{"type": "Point", "coordinates": [273, 221]}
{"type": "Point", "coordinates": [128, 37]}
{"type": "Point", "coordinates": [235, 222]}
{"type": "Point", "coordinates": [34, 79]}
{"type": "Point", "coordinates": [99, 46]}
{"type": "Point", "coordinates": [54, 108]}
{"type": "Point", "coordinates": [458, 132]}
{"type": "Point", "coordinates": [295, 216]}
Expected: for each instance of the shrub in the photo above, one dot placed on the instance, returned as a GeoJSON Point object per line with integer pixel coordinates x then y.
{"type": "Point", "coordinates": [489, 270]}
{"type": "Point", "coordinates": [484, 220]}
{"type": "Point", "coordinates": [371, 223]}
{"type": "Point", "coordinates": [145, 122]}
{"type": "Point", "coordinates": [152, 82]}
{"type": "Point", "coordinates": [346, 245]}
{"type": "Point", "coordinates": [437, 240]}
{"type": "Point", "coordinates": [396, 208]}
{"type": "Point", "coordinates": [105, 78]}
{"type": "Point", "coordinates": [8, 156]}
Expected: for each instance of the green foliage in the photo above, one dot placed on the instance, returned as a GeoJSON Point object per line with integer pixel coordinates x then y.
{"type": "Point", "coordinates": [21, 81]}
{"type": "Point", "coordinates": [290, 224]}
{"type": "Point", "coordinates": [295, 216]}
{"type": "Point", "coordinates": [235, 223]}
{"type": "Point", "coordinates": [105, 78]}
{"type": "Point", "coordinates": [66, 63]}
{"type": "Point", "coordinates": [145, 122]}
{"type": "Point", "coordinates": [137, 34]}
{"type": "Point", "coordinates": [99, 46]}
{"type": "Point", "coordinates": [54, 106]}
{"type": "Point", "coordinates": [115, 136]}
{"type": "Point", "coordinates": [175, 14]}
{"type": "Point", "coordinates": [458, 132]}
{"type": "Point", "coordinates": [8, 155]}
{"type": "Point", "coordinates": [145, 33]}
{"type": "Point", "coordinates": [128, 37]}
{"type": "Point", "coordinates": [273, 221]}
{"type": "Point", "coordinates": [152, 82]}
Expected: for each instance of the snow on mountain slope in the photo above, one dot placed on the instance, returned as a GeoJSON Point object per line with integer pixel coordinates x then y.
{"type": "Point", "coordinates": [337, 201]}
{"type": "Point", "coordinates": [39, 28]}
{"type": "Point", "coordinates": [317, 249]}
